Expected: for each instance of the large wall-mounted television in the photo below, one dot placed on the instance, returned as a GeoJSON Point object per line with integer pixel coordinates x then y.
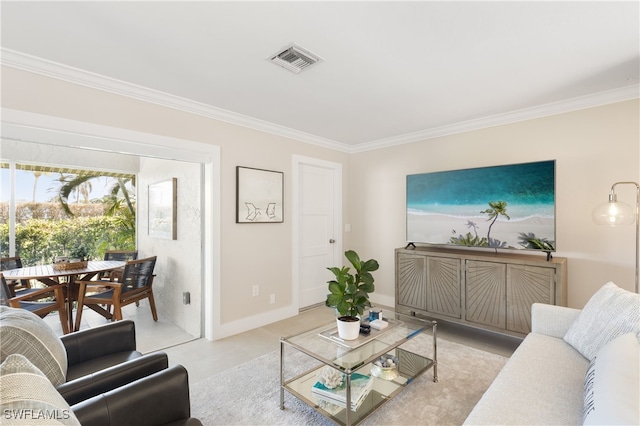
{"type": "Point", "coordinates": [498, 207]}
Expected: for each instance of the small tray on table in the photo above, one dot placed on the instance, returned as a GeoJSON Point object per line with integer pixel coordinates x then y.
{"type": "Point", "coordinates": [332, 334]}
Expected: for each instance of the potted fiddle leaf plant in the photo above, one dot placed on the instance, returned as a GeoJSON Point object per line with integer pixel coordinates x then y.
{"type": "Point", "coordinates": [349, 293]}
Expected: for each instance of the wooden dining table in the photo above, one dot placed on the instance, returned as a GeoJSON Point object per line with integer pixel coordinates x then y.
{"type": "Point", "coordinates": [47, 275]}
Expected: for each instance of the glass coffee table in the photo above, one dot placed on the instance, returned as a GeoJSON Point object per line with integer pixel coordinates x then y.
{"type": "Point", "coordinates": [355, 360]}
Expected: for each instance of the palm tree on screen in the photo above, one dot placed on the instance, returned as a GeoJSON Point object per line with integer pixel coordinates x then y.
{"type": "Point", "coordinates": [497, 208]}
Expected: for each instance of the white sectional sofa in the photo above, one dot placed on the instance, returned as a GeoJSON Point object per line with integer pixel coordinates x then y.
{"type": "Point", "coordinates": [546, 380]}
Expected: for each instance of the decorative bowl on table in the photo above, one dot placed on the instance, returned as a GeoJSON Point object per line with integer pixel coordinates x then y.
{"type": "Point", "coordinates": [385, 367]}
{"type": "Point", "coordinates": [69, 265]}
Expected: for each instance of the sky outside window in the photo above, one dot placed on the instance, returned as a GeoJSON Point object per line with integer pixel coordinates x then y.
{"type": "Point", "coordinates": [47, 187]}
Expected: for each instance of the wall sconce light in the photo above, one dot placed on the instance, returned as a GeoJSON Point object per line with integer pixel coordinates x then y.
{"type": "Point", "coordinates": [614, 213]}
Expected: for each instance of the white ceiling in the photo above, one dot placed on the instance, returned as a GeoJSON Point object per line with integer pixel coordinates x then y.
{"type": "Point", "coordinates": [392, 72]}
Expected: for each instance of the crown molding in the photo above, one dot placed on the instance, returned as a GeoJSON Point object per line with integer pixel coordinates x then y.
{"type": "Point", "coordinates": [24, 62]}
{"type": "Point", "coordinates": [621, 94]}
{"type": "Point", "coordinates": [21, 61]}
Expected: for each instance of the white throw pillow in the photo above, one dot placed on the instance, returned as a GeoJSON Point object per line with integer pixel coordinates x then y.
{"type": "Point", "coordinates": [25, 333]}
{"type": "Point", "coordinates": [29, 398]}
{"type": "Point", "coordinates": [612, 384]}
{"type": "Point", "coordinates": [611, 312]}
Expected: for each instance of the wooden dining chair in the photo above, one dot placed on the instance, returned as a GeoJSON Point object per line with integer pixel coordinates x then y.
{"type": "Point", "coordinates": [40, 301]}
{"type": "Point", "coordinates": [135, 285]}
{"type": "Point", "coordinates": [121, 255]}
{"type": "Point", "coordinates": [14, 263]}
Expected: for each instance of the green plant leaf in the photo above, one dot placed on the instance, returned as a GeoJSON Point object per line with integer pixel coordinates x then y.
{"type": "Point", "coordinates": [368, 287]}
{"type": "Point", "coordinates": [336, 271]}
{"type": "Point", "coordinates": [336, 288]}
{"type": "Point", "coordinates": [350, 292]}
{"type": "Point", "coordinates": [353, 257]}
{"type": "Point", "coordinates": [351, 288]}
{"type": "Point", "coordinates": [343, 307]}
{"type": "Point", "coordinates": [366, 278]}
{"type": "Point", "coordinates": [333, 299]}
{"type": "Point", "coordinates": [370, 265]}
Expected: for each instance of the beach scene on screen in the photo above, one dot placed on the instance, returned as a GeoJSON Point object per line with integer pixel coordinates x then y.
{"type": "Point", "coordinates": [509, 206]}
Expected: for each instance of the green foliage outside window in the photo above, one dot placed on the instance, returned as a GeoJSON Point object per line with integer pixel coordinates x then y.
{"type": "Point", "coordinates": [38, 240]}
{"type": "Point", "coordinates": [72, 222]}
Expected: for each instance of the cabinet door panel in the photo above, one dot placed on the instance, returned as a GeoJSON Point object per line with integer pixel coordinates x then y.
{"type": "Point", "coordinates": [485, 299]}
{"type": "Point", "coordinates": [412, 285]}
{"type": "Point", "coordinates": [526, 286]}
{"type": "Point", "coordinates": [482, 289]}
{"type": "Point", "coordinates": [443, 286]}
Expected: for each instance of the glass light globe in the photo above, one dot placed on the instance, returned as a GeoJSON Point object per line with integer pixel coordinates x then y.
{"type": "Point", "coordinates": [613, 213]}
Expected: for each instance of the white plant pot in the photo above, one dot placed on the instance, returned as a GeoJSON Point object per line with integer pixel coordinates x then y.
{"type": "Point", "coordinates": [348, 330]}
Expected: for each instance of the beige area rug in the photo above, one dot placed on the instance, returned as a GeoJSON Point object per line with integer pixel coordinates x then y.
{"type": "Point", "coordinates": [249, 394]}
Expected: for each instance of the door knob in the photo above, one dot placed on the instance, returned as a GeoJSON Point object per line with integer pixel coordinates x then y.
{"type": "Point", "coordinates": [331, 241]}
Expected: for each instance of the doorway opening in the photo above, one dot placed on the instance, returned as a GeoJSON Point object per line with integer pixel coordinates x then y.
{"type": "Point", "coordinates": [156, 154]}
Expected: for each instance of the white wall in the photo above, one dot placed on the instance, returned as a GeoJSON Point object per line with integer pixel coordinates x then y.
{"type": "Point", "coordinates": [178, 267]}
{"type": "Point", "coordinates": [593, 148]}
{"type": "Point", "coordinates": [373, 189]}
{"type": "Point", "coordinates": [37, 153]}
{"type": "Point", "coordinates": [250, 253]}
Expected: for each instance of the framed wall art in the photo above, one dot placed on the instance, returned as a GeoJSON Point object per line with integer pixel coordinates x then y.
{"type": "Point", "coordinates": [259, 195]}
{"type": "Point", "coordinates": [163, 209]}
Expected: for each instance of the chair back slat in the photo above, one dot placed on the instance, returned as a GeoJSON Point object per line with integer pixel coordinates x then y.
{"type": "Point", "coordinates": [122, 255]}
{"type": "Point", "coordinates": [13, 263]}
{"type": "Point", "coordinates": [5, 293]}
{"type": "Point", "coordinates": [138, 274]}
{"type": "Point", "coordinates": [10, 263]}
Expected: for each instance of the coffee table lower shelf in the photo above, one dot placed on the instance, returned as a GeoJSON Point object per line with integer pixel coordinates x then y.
{"type": "Point", "coordinates": [411, 366]}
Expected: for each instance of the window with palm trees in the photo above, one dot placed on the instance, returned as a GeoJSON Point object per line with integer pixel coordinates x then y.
{"type": "Point", "coordinates": [58, 209]}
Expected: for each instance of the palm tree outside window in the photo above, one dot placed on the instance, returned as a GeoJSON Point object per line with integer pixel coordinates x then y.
{"type": "Point", "coordinates": [57, 209]}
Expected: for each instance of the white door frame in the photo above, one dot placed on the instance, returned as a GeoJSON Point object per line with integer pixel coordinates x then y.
{"type": "Point", "coordinates": [298, 160]}
{"type": "Point", "coordinates": [30, 127]}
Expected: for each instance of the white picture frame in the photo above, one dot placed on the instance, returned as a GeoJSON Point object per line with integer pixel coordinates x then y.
{"type": "Point", "coordinates": [163, 209]}
{"type": "Point", "coordinates": [259, 195]}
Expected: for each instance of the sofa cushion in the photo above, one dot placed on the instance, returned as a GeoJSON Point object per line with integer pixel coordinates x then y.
{"type": "Point", "coordinates": [28, 397]}
{"type": "Point", "coordinates": [25, 333]}
{"type": "Point", "coordinates": [540, 385]}
{"type": "Point", "coordinates": [611, 312]}
{"type": "Point", "coordinates": [612, 384]}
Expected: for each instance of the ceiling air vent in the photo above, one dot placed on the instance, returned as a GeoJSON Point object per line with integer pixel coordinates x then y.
{"type": "Point", "coordinates": [295, 59]}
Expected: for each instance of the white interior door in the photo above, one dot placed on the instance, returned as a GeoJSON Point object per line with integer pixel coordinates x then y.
{"type": "Point", "coordinates": [319, 222]}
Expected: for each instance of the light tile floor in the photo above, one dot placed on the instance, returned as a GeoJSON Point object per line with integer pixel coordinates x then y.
{"type": "Point", "coordinates": [150, 335]}
{"type": "Point", "coordinates": [203, 358]}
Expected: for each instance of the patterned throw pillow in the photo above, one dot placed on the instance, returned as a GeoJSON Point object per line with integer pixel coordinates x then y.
{"type": "Point", "coordinates": [612, 384]}
{"type": "Point", "coordinates": [29, 398]}
{"type": "Point", "coordinates": [25, 333]}
{"type": "Point", "coordinates": [611, 312]}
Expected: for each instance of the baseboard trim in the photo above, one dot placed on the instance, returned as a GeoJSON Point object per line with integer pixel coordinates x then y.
{"type": "Point", "coordinates": [259, 320]}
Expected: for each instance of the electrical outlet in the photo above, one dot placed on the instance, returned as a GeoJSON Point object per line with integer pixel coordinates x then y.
{"type": "Point", "coordinates": [272, 298]}
{"type": "Point", "coordinates": [256, 290]}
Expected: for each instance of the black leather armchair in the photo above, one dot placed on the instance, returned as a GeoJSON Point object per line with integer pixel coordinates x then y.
{"type": "Point", "coordinates": [100, 347]}
{"type": "Point", "coordinates": [104, 358]}
{"type": "Point", "coordinates": [161, 399]}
